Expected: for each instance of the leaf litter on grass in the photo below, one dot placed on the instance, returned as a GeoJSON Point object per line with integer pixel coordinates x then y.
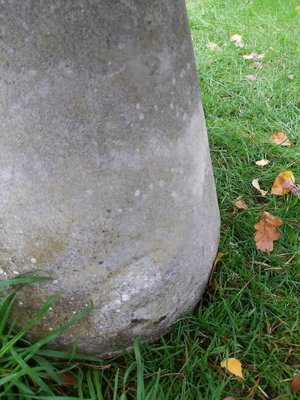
{"type": "Point", "coordinates": [266, 232]}
{"type": "Point", "coordinates": [234, 366]}
{"type": "Point", "coordinates": [255, 183]}
{"type": "Point", "coordinates": [281, 139]}
{"type": "Point", "coordinates": [283, 183]}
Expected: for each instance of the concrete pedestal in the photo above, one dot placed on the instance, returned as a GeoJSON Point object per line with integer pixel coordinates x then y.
{"type": "Point", "coordinates": [105, 174]}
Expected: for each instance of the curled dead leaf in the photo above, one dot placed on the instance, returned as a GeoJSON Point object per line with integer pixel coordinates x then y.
{"type": "Point", "coordinates": [234, 366]}
{"type": "Point", "coordinates": [266, 232]}
{"type": "Point", "coordinates": [295, 385]}
{"type": "Point", "coordinates": [281, 139]}
{"type": "Point", "coordinates": [240, 203]}
{"type": "Point", "coordinates": [253, 56]}
{"type": "Point", "coordinates": [255, 183]}
{"type": "Point", "coordinates": [237, 39]}
{"type": "Point", "coordinates": [262, 163]}
{"type": "Point", "coordinates": [283, 184]}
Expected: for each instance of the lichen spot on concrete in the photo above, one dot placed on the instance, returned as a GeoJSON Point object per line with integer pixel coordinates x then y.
{"type": "Point", "coordinates": [33, 260]}
{"type": "Point", "coordinates": [155, 107]}
{"type": "Point", "coordinates": [174, 81]}
{"type": "Point", "coordinates": [172, 106]}
{"type": "Point", "coordinates": [138, 106]}
{"type": "Point", "coordinates": [137, 193]}
{"type": "Point", "coordinates": [141, 116]}
{"type": "Point", "coordinates": [151, 186]}
{"type": "Point", "coordinates": [162, 184]}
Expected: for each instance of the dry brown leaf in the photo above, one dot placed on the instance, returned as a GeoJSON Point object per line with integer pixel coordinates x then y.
{"type": "Point", "coordinates": [295, 385]}
{"type": "Point", "coordinates": [262, 163]}
{"type": "Point", "coordinates": [237, 39]}
{"type": "Point", "coordinates": [253, 56]}
{"type": "Point", "coordinates": [255, 183]}
{"type": "Point", "coordinates": [229, 398]}
{"type": "Point", "coordinates": [234, 366]}
{"type": "Point", "coordinates": [281, 138]}
{"type": "Point", "coordinates": [283, 184]}
{"type": "Point", "coordinates": [266, 232]}
{"type": "Point", "coordinates": [240, 204]}
{"type": "Point", "coordinates": [212, 46]}
{"type": "Point", "coordinates": [68, 379]}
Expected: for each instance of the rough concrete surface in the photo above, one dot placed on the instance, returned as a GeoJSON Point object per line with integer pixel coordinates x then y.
{"type": "Point", "coordinates": [105, 174]}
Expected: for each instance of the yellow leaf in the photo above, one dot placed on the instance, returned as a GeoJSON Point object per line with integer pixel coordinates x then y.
{"type": "Point", "coordinates": [262, 163]}
{"type": "Point", "coordinates": [266, 232]}
{"type": "Point", "coordinates": [281, 139]}
{"type": "Point", "coordinates": [240, 204]}
{"type": "Point", "coordinates": [255, 183]}
{"type": "Point", "coordinates": [283, 184]}
{"type": "Point", "coordinates": [234, 366]}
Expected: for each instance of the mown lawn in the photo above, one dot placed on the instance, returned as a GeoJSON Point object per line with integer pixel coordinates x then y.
{"type": "Point", "coordinates": [251, 308]}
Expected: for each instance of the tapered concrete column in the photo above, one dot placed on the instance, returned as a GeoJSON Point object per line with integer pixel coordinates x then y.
{"type": "Point", "coordinates": [105, 175]}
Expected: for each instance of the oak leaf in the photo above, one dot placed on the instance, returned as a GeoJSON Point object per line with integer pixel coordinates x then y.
{"type": "Point", "coordinates": [266, 232]}
{"type": "Point", "coordinates": [234, 366]}
{"type": "Point", "coordinates": [255, 183]}
{"type": "Point", "coordinates": [283, 184]}
{"type": "Point", "coordinates": [281, 139]}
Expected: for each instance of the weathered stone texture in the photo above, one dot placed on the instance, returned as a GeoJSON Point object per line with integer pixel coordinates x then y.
{"type": "Point", "coordinates": [105, 174]}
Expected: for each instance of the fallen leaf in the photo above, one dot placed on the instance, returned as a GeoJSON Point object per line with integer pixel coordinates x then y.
{"type": "Point", "coordinates": [229, 398]}
{"type": "Point", "coordinates": [281, 138]}
{"type": "Point", "coordinates": [212, 46]}
{"type": "Point", "coordinates": [234, 366]}
{"type": "Point", "coordinates": [240, 203]}
{"type": "Point", "coordinates": [217, 259]}
{"type": "Point", "coordinates": [283, 184]}
{"type": "Point", "coordinates": [251, 77]}
{"type": "Point", "coordinates": [295, 385]}
{"type": "Point", "coordinates": [291, 77]}
{"type": "Point", "coordinates": [266, 232]}
{"type": "Point", "coordinates": [68, 379]}
{"type": "Point", "coordinates": [237, 39]}
{"type": "Point", "coordinates": [262, 163]}
{"type": "Point", "coordinates": [257, 65]}
{"type": "Point", "coordinates": [255, 183]}
{"type": "Point", "coordinates": [253, 56]}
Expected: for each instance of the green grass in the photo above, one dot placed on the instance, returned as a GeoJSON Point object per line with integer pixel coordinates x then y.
{"type": "Point", "coordinates": [251, 308]}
